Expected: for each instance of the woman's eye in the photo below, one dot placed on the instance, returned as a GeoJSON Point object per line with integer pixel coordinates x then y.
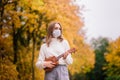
{"type": "Point", "coordinates": [58, 28]}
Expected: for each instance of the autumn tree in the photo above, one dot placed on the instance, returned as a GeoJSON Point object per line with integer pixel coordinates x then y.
{"type": "Point", "coordinates": [7, 68]}
{"type": "Point", "coordinates": [23, 21]}
{"type": "Point", "coordinates": [100, 48]}
{"type": "Point", "coordinates": [113, 61]}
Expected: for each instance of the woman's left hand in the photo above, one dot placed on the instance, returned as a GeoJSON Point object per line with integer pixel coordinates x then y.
{"type": "Point", "coordinates": [65, 55]}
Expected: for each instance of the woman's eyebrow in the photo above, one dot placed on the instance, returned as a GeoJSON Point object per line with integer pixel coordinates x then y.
{"type": "Point", "coordinates": [57, 27]}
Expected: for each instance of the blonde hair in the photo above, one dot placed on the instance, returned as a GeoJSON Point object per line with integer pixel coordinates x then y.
{"type": "Point", "coordinates": [49, 32]}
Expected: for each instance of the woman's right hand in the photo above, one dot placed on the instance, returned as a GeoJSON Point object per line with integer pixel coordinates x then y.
{"type": "Point", "coordinates": [49, 64]}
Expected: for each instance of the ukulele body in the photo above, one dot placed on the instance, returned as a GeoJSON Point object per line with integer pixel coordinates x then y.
{"type": "Point", "coordinates": [54, 60]}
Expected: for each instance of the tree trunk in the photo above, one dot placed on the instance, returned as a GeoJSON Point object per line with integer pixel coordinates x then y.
{"type": "Point", "coordinates": [33, 51]}
{"type": "Point", "coordinates": [15, 45]}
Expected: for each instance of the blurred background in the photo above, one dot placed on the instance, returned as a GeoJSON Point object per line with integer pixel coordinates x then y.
{"type": "Point", "coordinates": [92, 26]}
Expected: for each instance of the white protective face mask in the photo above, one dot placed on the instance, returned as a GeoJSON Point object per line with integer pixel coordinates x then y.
{"type": "Point", "coordinates": [56, 33]}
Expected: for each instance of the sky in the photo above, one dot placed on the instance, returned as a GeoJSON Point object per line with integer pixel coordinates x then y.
{"type": "Point", "coordinates": [101, 18]}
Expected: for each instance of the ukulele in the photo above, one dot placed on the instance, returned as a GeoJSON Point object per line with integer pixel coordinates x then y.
{"type": "Point", "coordinates": [55, 59]}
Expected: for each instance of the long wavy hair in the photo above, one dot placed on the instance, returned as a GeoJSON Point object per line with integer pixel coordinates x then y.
{"type": "Point", "coordinates": [50, 31]}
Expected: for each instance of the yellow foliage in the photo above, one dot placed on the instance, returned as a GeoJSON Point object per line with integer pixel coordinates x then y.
{"type": "Point", "coordinates": [7, 68]}
{"type": "Point", "coordinates": [113, 58]}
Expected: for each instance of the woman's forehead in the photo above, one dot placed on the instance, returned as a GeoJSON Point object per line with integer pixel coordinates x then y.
{"type": "Point", "coordinates": [57, 25]}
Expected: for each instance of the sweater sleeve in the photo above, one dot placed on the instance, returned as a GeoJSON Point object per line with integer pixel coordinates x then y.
{"type": "Point", "coordinates": [41, 58]}
{"type": "Point", "coordinates": [69, 59]}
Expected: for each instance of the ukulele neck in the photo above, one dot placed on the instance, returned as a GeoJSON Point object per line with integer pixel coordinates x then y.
{"type": "Point", "coordinates": [70, 51]}
{"type": "Point", "coordinates": [60, 56]}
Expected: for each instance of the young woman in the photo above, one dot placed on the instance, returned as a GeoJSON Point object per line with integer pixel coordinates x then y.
{"type": "Point", "coordinates": [55, 45]}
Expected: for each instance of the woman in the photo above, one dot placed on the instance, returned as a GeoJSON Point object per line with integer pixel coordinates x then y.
{"type": "Point", "coordinates": [55, 45]}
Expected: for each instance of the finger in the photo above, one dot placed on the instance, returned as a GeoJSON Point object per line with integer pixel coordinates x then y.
{"type": "Point", "coordinates": [52, 66]}
{"type": "Point", "coordinates": [64, 56]}
{"type": "Point", "coordinates": [50, 62]}
{"type": "Point", "coordinates": [53, 63]}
